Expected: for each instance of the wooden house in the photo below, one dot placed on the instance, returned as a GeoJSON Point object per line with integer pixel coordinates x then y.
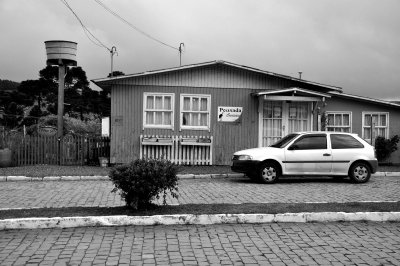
{"type": "Point", "coordinates": [203, 113]}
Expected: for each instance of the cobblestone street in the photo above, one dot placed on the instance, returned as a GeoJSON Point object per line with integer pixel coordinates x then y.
{"type": "Point", "coordinates": [355, 243]}
{"type": "Point", "coordinates": [265, 244]}
{"type": "Point", "coordinates": [39, 194]}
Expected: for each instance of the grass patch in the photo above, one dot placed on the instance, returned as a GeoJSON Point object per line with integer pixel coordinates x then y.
{"type": "Point", "coordinates": [62, 170]}
{"type": "Point", "coordinates": [58, 170]}
{"type": "Point", "coordinates": [246, 208]}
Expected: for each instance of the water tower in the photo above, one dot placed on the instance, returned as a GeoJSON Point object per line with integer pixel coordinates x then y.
{"type": "Point", "coordinates": [62, 54]}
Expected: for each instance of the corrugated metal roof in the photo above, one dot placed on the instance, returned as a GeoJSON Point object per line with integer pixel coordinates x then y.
{"type": "Point", "coordinates": [365, 99]}
{"type": "Point", "coordinates": [293, 90]}
{"type": "Point", "coordinates": [107, 81]}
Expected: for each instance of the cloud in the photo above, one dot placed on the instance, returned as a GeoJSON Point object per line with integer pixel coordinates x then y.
{"type": "Point", "coordinates": [352, 44]}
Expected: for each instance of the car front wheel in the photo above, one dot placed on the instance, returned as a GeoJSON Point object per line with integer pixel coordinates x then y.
{"type": "Point", "coordinates": [360, 172]}
{"type": "Point", "coordinates": [269, 173]}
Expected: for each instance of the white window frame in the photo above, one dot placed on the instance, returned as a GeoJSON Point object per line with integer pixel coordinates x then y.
{"type": "Point", "coordinates": [385, 127]}
{"type": "Point", "coordinates": [172, 95]}
{"type": "Point", "coordinates": [340, 126]}
{"type": "Point", "coordinates": [208, 96]}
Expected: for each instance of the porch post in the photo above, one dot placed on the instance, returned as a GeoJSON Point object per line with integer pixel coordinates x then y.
{"type": "Point", "coordinates": [260, 119]}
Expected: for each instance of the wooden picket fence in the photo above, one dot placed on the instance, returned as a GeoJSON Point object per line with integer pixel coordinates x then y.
{"type": "Point", "coordinates": [186, 150]}
{"type": "Point", "coordinates": [69, 150]}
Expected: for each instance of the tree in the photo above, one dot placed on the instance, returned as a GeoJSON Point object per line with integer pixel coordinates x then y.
{"type": "Point", "coordinates": [78, 97]}
{"type": "Point", "coordinates": [116, 73]}
{"type": "Point", "coordinates": [72, 125]}
{"type": "Point", "coordinates": [40, 96]}
{"type": "Point", "coordinates": [105, 103]}
{"type": "Point", "coordinates": [384, 147]}
{"type": "Point", "coordinates": [13, 115]}
{"type": "Point", "coordinates": [33, 116]}
{"type": "Point", "coordinates": [8, 85]}
{"type": "Point", "coordinates": [36, 90]}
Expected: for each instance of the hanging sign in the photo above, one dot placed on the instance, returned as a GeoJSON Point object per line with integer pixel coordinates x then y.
{"type": "Point", "coordinates": [229, 114]}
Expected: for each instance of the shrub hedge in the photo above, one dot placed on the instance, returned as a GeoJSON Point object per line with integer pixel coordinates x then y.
{"type": "Point", "coordinates": [143, 180]}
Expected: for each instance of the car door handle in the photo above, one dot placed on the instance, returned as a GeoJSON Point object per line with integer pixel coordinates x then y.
{"type": "Point", "coordinates": [327, 154]}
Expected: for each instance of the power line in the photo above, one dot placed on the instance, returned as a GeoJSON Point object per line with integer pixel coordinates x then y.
{"type": "Point", "coordinates": [133, 26]}
{"type": "Point", "coordinates": [85, 29]}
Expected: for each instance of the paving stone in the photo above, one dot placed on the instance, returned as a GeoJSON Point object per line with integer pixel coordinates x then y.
{"type": "Point", "coordinates": [18, 178]}
{"type": "Point", "coordinates": [51, 178]}
{"type": "Point", "coordinates": [70, 178]}
{"type": "Point", "coordinates": [280, 243]}
{"type": "Point", "coordinates": [95, 193]}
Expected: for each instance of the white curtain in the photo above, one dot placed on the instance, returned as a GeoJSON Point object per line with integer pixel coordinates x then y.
{"type": "Point", "coordinates": [150, 102]}
{"type": "Point", "coordinates": [298, 117]}
{"type": "Point", "coordinates": [157, 110]}
{"type": "Point", "coordinates": [186, 103]}
{"type": "Point", "coordinates": [272, 122]}
{"type": "Point", "coordinates": [196, 106]}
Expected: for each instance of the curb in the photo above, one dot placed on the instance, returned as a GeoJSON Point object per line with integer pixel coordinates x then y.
{"type": "Point", "coordinates": [191, 219]}
{"type": "Point", "coordinates": [182, 176]}
{"type": "Point", "coordinates": [102, 178]}
{"type": "Point", "coordinates": [51, 178]}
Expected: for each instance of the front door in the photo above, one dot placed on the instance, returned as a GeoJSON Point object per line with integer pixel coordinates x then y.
{"type": "Point", "coordinates": [281, 118]}
{"type": "Point", "coordinates": [308, 155]}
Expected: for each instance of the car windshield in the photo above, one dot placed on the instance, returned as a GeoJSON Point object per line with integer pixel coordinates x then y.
{"type": "Point", "coordinates": [284, 141]}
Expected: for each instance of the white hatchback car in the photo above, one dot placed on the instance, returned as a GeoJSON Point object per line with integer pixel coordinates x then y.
{"type": "Point", "coordinates": [309, 153]}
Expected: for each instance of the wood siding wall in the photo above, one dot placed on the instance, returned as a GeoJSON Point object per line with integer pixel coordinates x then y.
{"type": "Point", "coordinates": [228, 86]}
{"type": "Point", "coordinates": [338, 104]}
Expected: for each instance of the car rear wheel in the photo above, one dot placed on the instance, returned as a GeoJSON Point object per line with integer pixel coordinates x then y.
{"type": "Point", "coordinates": [360, 172]}
{"type": "Point", "coordinates": [269, 173]}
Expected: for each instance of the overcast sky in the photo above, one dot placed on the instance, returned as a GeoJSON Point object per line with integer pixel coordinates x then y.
{"type": "Point", "coordinates": [353, 44]}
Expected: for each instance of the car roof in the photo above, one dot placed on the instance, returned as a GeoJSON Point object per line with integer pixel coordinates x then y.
{"type": "Point", "coordinates": [323, 132]}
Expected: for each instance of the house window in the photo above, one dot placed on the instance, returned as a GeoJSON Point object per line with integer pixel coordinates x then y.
{"type": "Point", "coordinates": [195, 111]}
{"type": "Point", "coordinates": [338, 121]}
{"type": "Point", "coordinates": [158, 110]}
{"type": "Point", "coordinates": [375, 124]}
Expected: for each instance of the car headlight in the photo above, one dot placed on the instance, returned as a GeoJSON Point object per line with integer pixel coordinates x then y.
{"type": "Point", "coordinates": [243, 157]}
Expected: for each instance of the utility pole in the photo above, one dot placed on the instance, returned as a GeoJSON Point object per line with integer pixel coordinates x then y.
{"type": "Point", "coordinates": [60, 110]}
{"type": "Point", "coordinates": [180, 52]}
{"type": "Point", "coordinates": [113, 51]}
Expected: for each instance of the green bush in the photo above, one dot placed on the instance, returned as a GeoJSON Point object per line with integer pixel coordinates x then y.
{"type": "Point", "coordinates": [143, 180]}
{"type": "Point", "coordinates": [384, 147]}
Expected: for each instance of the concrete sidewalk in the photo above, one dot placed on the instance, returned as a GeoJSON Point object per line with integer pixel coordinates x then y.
{"type": "Point", "coordinates": [195, 189]}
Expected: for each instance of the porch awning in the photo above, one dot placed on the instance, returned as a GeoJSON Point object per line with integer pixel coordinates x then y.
{"type": "Point", "coordinates": [292, 94]}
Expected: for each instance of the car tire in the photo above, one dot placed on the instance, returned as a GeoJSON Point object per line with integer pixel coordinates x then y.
{"type": "Point", "coordinates": [269, 173]}
{"type": "Point", "coordinates": [360, 172]}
